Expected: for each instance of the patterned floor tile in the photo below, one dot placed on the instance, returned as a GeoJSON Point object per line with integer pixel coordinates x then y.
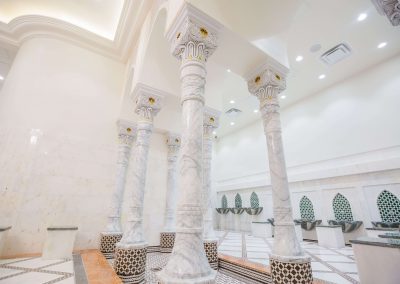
{"type": "Point", "coordinates": [31, 278]}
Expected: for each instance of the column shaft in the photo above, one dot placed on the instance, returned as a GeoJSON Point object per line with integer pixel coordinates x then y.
{"type": "Point", "coordinates": [171, 195]}
{"type": "Point", "coordinates": [124, 150]}
{"type": "Point", "coordinates": [134, 233]}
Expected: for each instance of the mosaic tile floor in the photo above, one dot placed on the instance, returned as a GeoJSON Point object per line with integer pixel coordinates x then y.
{"type": "Point", "coordinates": [34, 270]}
{"type": "Point", "coordinates": [333, 265]}
{"type": "Point", "coordinates": [156, 261]}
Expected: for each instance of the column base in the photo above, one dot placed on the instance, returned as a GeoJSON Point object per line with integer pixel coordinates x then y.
{"type": "Point", "coordinates": [211, 249]}
{"type": "Point", "coordinates": [291, 270]}
{"type": "Point", "coordinates": [130, 262]}
{"type": "Point", "coordinates": [108, 240]}
{"type": "Point", "coordinates": [165, 279]}
{"type": "Point", "coordinates": [167, 240]}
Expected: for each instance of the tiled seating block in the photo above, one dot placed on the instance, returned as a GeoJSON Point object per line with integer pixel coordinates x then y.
{"type": "Point", "coordinates": [167, 240]}
{"type": "Point", "coordinates": [108, 241]}
{"type": "Point", "coordinates": [330, 236]}
{"type": "Point", "coordinates": [3, 236]}
{"type": "Point", "coordinates": [59, 242]}
{"type": "Point", "coordinates": [377, 261]}
{"type": "Point", "coordinates": [130, 263]}
{"type": "Point", "coordinates": [261, 229]}
{"type": "Point", "coordinates": [211, 249]}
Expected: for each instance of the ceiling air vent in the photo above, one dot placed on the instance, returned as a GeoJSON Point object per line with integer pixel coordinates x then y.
{"type": "Point", "coordinates": [336, 54]}
{"type": "Point", "coordinates": [233, 112]}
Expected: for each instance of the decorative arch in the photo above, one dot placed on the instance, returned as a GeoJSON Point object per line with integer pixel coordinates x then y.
{"type": "Point", "coordinates": [306, 209]}
{"type": "Point", "coordinates": [254, 201]}
{"type": "Point", "coordinates": [342, 208]}
{"type": "Point", "coordinates": [389, 207]}
{"type": "Point", "coordinates": [224, 202]}
{"type": "Point", "coordinates": [238, 201]}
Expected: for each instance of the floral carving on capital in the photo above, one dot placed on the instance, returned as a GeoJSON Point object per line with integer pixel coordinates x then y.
{"type": "Point", "coordinates": [266, 86]}
{"type": "Point", "coordinates": [194, 42]}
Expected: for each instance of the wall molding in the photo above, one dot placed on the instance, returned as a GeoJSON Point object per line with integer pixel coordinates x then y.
{"type": "Point", "coordinates": [27, 27]}
{"type": "Point", "coordinates": [366, 162]}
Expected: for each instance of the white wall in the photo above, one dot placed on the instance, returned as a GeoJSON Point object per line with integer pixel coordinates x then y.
{"type": "Point", "coordinates": [58, 140]}
{"type": "Point", "coordinates": [350, 128]}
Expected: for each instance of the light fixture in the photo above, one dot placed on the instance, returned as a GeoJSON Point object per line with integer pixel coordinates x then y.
{"type": "Point", "coordinates": [232, 123]}
{"type": "Point", "coordinates": [228, 70]}
{"type": "Point", "coordinates": [382, 44]}
{"type": "Point", "coordinates": [283, 97]}
{"type": "Point", "coordinates": [1, 78]}
{"type": "Point", "coordinates": [322, 76]}
{"type": "Point", "coordinates": [215, 132]}
{"type": "Point", "coordinates": [299, 58]}
{"type": "Point", "coordinates": [232, 101]}
{"type": "Point", "coordinates": [362, 17]}
{"type": "Point", "coordinates": [255, 111]}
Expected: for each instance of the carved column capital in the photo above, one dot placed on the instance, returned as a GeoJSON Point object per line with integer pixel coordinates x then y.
{"type": "Point", "coordinates": [390, 9]}
{"type": "Point", "coordinates": [174, 143]}
{"type": "Point", "coordinates": [126, 132]}
{"type": "Point", "coordinates": [193, 37]}
{"type": "Point", "coordinates": [266, 83]}
{"type": "Point", "coordinates": [210, 121]}
{"type": "Point", "coordinates": [148, 102]}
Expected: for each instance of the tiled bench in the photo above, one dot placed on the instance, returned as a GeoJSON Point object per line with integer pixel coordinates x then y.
{"type": "Point", "coordinates": [59, 242]}
{"type": "Point", "coordinates": [3, 236]}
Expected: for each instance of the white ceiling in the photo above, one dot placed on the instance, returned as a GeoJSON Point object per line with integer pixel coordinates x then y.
{"type": "Point", "coordinates": [98, 16]}
{"type": "Point", "coordinates": [294, 28]}
{"type": "Point", "coordinates": [283, 29]}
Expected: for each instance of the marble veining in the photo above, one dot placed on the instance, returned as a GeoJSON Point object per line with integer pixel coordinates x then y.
{"type": "Point", "coordinates": [173, 144]}
{"type": "Point", "coordinates": [126, 136]}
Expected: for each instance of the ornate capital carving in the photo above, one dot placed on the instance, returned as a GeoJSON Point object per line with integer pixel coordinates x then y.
{"type": "Point", "coordinates": [148, 101]}
{"type": "Point", "coordinates": [210, 121]}
{"type": "Point", "coordinates": [193, 35]}
{"type": "Point", "coordinates": [126, 131]}
{"type": "Point", "coordinates": [390, 9]}
{"type": "Point", "coordinates": [266, 82]}
{"type": "Point", "coordinates": [174, 143]}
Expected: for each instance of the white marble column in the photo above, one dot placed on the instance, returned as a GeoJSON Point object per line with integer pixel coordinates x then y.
{"type": "Point", "coordinates": [210, 123]}
{"type": "Point", "coordinates": [133, 243]}
{"type": "Point", "coordinates": [266, 83]}
{"type": "Point", "coordinates": [193, 39]}
{"type": "Point", "coordinates": [173, 144]}
{"type": "Point", "coordinates": [113, 233]}
{"type": "Point", "coordinates": [126, 136]}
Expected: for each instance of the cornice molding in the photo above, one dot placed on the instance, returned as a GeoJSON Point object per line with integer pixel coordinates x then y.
{"type": "Point", "coordinates": [27, 27]}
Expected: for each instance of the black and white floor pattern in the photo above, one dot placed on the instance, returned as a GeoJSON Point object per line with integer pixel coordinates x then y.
{"type": "Point", "coordinates": [332, 265]}
{"type": "Point", "coordinates": [36, 271]}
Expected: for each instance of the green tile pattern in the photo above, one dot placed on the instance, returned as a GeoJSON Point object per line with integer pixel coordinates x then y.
{"type": "Point", "coordinates": [389, 207]}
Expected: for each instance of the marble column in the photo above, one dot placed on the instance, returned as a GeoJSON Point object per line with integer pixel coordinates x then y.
{"type": "Point", "coordinates": [266, 83]}
{"type": "Point", "coordinates": [167, 237]}
{"type": "Point", "coordinates": [131, 251]}
{"type": "Point", "coordinates": [113, 233]}
{"type": "Point", "coordinates": [193, 39]}
{"type": "Point", "coordinates": [210, 123]}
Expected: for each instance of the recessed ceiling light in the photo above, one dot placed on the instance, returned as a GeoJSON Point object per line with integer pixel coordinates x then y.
{"type": "Point", "coordinates": [322, 76]}
{"type": "Point", "coordinates": [255, 111]}
{"type": "Point", "coordinates": [232, 123]}
{"type": "Point", "coordinates": [1, 78]}
{"type": "Point", "coordinates": [215, 132]}
{"type": "Point", "coordinates": [232, 101]}
{"type": "Point", "coordinates": [299, 58]}
{"type": "Point", "coordinates": [228, 70]}
{"type": "Point", "coordinates": [362, 17]}
{"type": "Point", "coordinates": [382, 44]}
{"type": "Point", "coordinates": [283, 97]}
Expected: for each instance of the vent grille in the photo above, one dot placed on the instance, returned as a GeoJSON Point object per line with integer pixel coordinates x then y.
{"type": "Point", "coordinates": [336, 54]}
